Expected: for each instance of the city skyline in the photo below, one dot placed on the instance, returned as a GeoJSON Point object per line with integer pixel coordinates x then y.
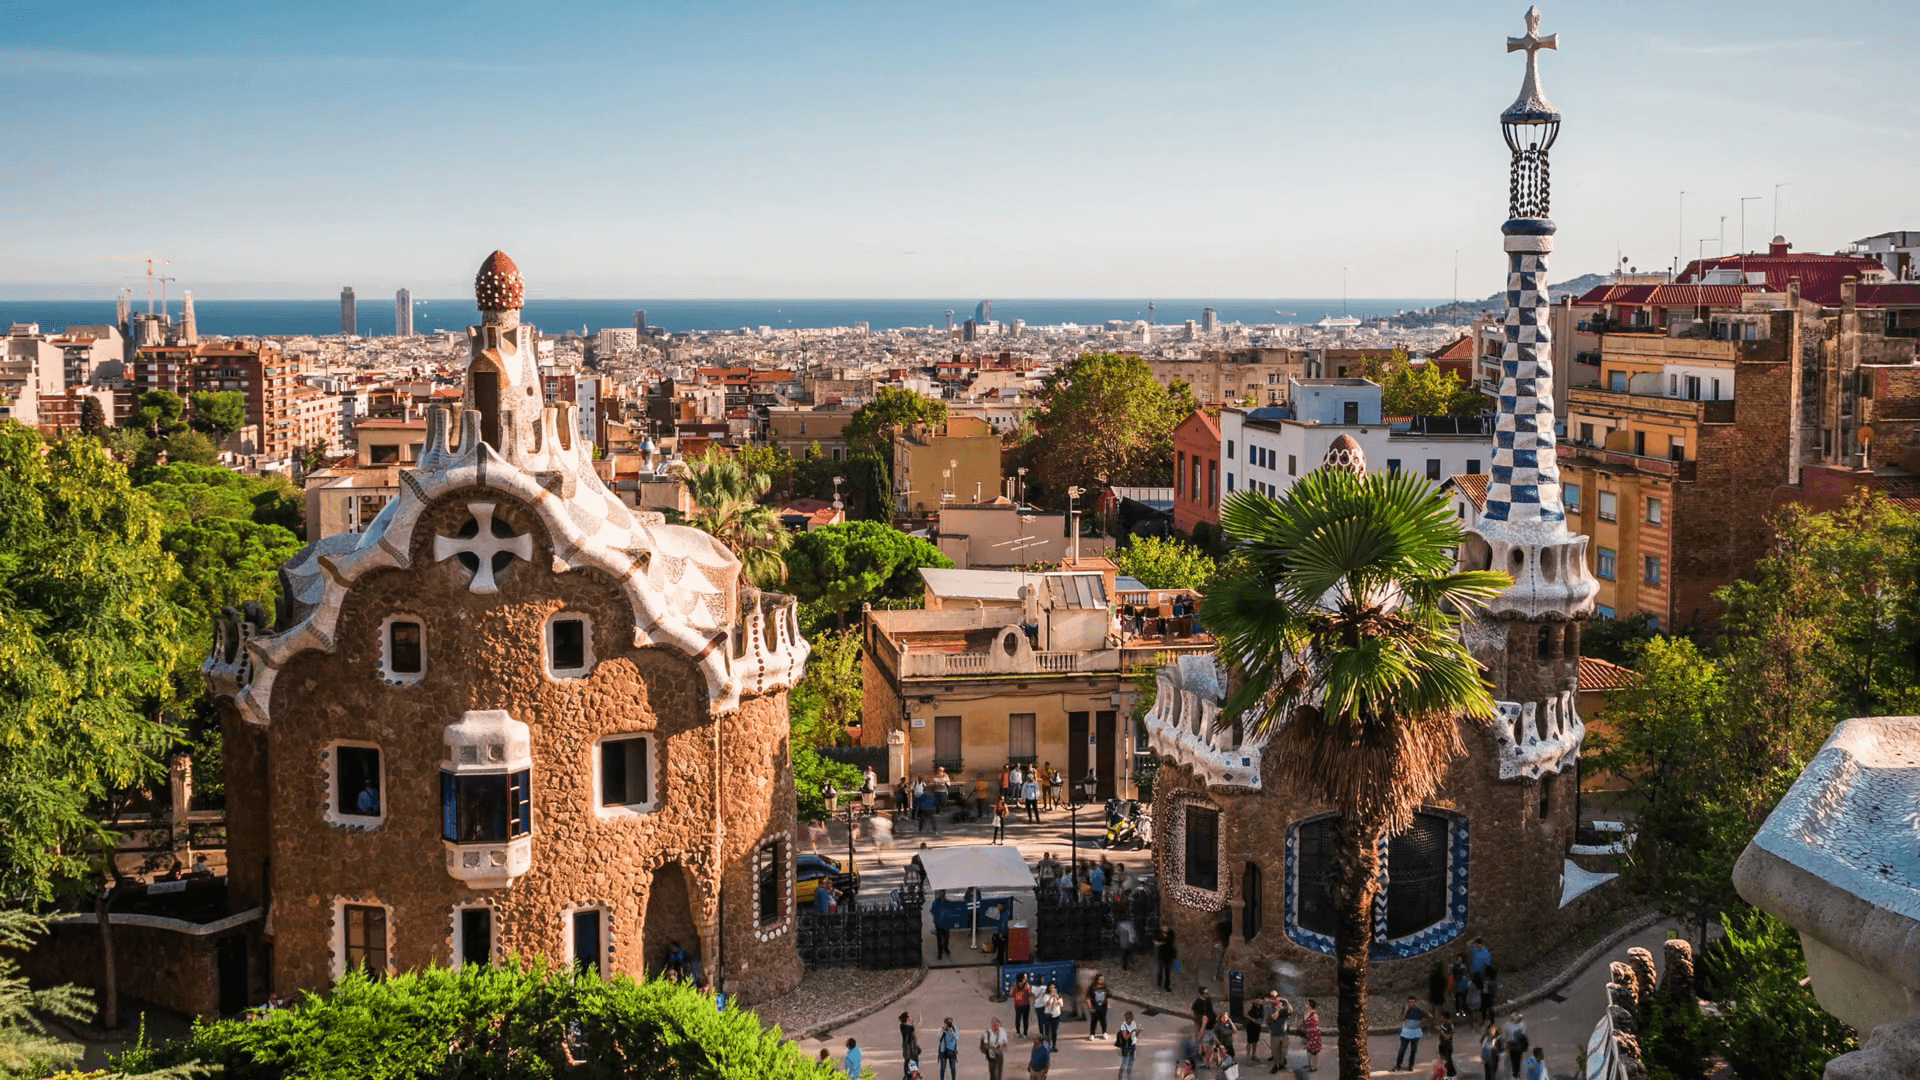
{"type": "Point", "coordinates": [1166, 149]}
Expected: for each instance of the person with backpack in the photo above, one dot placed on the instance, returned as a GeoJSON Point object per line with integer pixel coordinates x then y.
{"type": "Point", "coordinates": [1022, 995]}
{"type": "Point", "coordinates": [949, 1050]}
{"type": "Point", "coordinates": [1517, 1042]}
{"type": "Point", "coordinates": [993, 1047]}
{"type": "Point", "coordinates": [1492, 1046]}
{"type": "Point", "coordinates": [1127, 1038]}
{"type": "Point", "coordinates": [1039, 1060]}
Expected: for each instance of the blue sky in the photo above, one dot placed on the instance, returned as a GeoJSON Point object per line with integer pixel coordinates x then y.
{"type": "Point", "coordinates": [902, 149]}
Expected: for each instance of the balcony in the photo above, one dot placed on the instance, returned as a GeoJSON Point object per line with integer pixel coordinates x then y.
{"type": "Point", "coordinates": [1574, 450]}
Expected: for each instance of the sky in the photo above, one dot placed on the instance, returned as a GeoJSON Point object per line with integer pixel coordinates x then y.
{"type": "Point", "coordinates": [1178, 148]}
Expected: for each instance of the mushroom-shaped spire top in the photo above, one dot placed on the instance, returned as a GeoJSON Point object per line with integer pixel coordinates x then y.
{"type": "Point", "coordinates": [1345, 455]}
{"type": "Point", "coordinates": [498, 286]}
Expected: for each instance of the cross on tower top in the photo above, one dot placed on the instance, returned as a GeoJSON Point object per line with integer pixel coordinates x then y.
{"type": "Point", "coordinates": [491, 548]}
{"type": "Point", "coordinates": [1532, 105]}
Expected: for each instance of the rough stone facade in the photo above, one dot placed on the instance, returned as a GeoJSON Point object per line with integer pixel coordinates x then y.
{"type": "Point", "coordinates": [676, 647]}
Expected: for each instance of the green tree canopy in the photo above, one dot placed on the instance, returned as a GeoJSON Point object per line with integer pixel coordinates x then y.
{"type": "Point", "coordinates": [89, 637]}
{"type": "Point", "coordinates": [504, 1021]}
{"type": "Point", "coordinates": [1165, 563]}
{"type": "Point", "coordinates": [726, 498]}
{"type": "Point", "coordinates": [1103, 414]}
{"type": "Point", "coordinates": [160, 412]}
{"type": "Point", "coordinates": [1428, 390]}
{"type": "Point", "coordinates": [873, 425]}
{"type": "Point", "coordinates": [219, 413]}
{"type": "Point", "coordinates": [859, 562]}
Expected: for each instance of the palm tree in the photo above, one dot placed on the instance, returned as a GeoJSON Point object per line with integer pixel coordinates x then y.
{"type": "Point", "coordinates": [1342, 627]}
{"type": "Point", "coordinates": [726, 500]}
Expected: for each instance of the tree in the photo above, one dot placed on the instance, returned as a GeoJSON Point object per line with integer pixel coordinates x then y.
{"type": "Point", "coordinates": [726, 506]}
{"type": "Point", "coordinates": [872, 427]}
{"type": "Point", "coordinates": [219, 413]}
{"type": "Point", "coordinates": [859, 562]}
{"type": "Point", "coordinates": [93, 417]}
{"type": "Point", "coordinates": [191, 447]}
{"type": "Point", "coordinates": [160, 412]}
{"type": "Point", "coordinates": [502, 1021]}
{"type": "Point", "coordinates": [26, 1050]}
{"type": "Point", "coordinates": [833, 680]}
{"type": "Point", "coordinates": [1409, 389]}
{"type": "Point", "coordinates": [1103, 414]}
{"type": "Point", "coordinates": [1341, 623]}
{"type": "Point", "coordinates": [1165, 563]}
{"type": "Point", "coordinates": [1770, 1027]}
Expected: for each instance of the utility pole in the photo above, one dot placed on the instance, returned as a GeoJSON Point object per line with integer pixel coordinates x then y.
{"type": "Point", "coordinates": [1776, 206]}
{"type": "Point", "coordinates": [1680, 233]}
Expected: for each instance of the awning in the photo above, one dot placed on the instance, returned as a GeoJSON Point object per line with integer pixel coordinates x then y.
{"type": "Point", "coordinates": [987, 867]}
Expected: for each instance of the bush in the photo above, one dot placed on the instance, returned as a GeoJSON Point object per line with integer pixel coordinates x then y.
{"type": "Point", "coordinates": [1771, 1026]}
{"type": "Point", "coordinates": [509, 1021]}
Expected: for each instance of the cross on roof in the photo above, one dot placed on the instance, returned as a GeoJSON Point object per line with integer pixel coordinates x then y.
{"type": "Point", "coordinates": [485, 546]}
{"type": "Point", "coordinates": [1533, 42]}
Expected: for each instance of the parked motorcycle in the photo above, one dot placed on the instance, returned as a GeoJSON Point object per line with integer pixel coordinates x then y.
{"type": "Point", "coordinates": [1125, 825]}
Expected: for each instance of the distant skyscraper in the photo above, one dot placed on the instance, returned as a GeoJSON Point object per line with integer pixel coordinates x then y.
{"type": "Point", "coordinates": [1187, 331]}
{"type": "Point", "coordinates": [640, 323]}
{"type": "Point", "coordinates": [949, 319]}
{"type": "Point", "coordinates": [349, 314]}
{"type": "Point", "coordinates": [1149, 313]}
{"type": "Point", "coordinates": [403, 314]}
{"type": "Point", "coordinates": [189, 330]}
{"type": "Point", "coordinates": [1209, 321]}
{"type": "Point", "coordinates": [983, 312]}
{"type": "Point", "coordinates": [968, 329]}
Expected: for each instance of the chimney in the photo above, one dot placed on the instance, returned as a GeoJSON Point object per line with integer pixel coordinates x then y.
{"type": "Point", "coordinates": [1779, 246]}
{"type": "Point", "coordinates": [1849, 290]}
{"type": "Point", "coordinates": [1793, 293]}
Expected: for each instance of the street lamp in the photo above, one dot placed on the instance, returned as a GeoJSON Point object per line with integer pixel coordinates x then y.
{"type": "Point", "coordinates": [1073, 519]}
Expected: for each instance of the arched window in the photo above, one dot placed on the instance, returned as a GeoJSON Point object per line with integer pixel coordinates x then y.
{"type": "Point", "coordinates": [1252, 900]}
{"type": "Point", "coordinates": [1417, 876]}
{"type": "Point", "coordinates": [1315, 910]}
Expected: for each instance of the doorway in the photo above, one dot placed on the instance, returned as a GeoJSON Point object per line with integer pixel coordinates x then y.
{"type": "Point", "coordinates": [1106, 724]}
{"type": "Point", "coordinates": [1076, 755]}
{"type": "Point", "coordinates": [230, 967]}
{"type": "Point", "coordinates": [669, 918]}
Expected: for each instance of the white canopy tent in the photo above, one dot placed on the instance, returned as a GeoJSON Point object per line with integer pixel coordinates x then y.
{"type": "Point", "coordinates": [986, 867]}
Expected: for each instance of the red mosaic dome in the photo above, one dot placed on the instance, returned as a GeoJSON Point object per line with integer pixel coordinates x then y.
{"type": "Point", "coordinates": [498, 286]}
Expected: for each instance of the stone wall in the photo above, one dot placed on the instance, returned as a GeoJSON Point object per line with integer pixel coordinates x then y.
{"type": "Point", "coordinates": [722, 784]}
{"type": "Point", "coordinates": [156, 967]}
{"type": "Point", "coordinates": [1515, 861]}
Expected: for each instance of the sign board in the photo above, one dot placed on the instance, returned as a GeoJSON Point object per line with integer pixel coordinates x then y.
{"type": "Point", "coordinates": [919, 721]}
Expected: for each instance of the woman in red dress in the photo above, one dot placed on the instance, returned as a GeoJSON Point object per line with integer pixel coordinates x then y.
{"type": "Point", "coordinates": [1310, 1028]}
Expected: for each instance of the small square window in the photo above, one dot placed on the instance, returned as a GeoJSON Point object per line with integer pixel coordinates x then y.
{"type": "Point", "coordinates": [569, 646]}
{"type": "Point", "coordinates": [474, 927]}
{"type": "Point", "coordinates": [405, 651]}
{"type": "Point", "coordinates": [1652, 574]}
{"type": "Point", "coordinates": [1654, 510]}
{"type": "Point", "coordinates": [1473, 466]}
{"type": "Point", "coordinates": [1609, 506]}
{"type": "Point", "coordinates": [1433, 469]}
{"type": "Point", "coordinates": [364, 930]}
{"type": "Point", "coordinates": [586, 940]}
{"type": "Point", "coordinates": [1603, 564]}
{"type": "Point", "coordinates": [356, 782]}
{"type": "Point", "coordinates": [626, 773]}
{"type": "Point", "coordinates": [1393, 464]}
{"type": "Point", "coordinates": [1572, 494]}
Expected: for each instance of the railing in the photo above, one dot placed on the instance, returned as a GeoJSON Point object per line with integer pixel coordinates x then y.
{"type": "Point", "coordinates": [1058, 662]}
{"type": "Point", "coordinates": [954, 766]}
{"type": "Point", "coordinates": [1651, 466]}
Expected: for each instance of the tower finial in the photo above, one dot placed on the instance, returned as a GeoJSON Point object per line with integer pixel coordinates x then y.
{"type": "Point", "coordinates": [498, 286]}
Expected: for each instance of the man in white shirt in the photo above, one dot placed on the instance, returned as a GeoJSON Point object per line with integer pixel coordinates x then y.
{"type": "Point", "coordinates": [993, 1045]}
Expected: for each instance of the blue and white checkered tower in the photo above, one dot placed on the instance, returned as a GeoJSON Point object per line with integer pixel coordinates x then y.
{"type": "Point", "coordinates": [1523, 531]}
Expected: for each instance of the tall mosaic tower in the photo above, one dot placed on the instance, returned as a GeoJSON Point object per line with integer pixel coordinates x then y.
{"type": "Point", "coordinates": [1524, 531]}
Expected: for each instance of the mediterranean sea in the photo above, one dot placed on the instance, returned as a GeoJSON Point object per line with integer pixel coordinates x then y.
{"type": "Point", "coordinates": [322, 317]}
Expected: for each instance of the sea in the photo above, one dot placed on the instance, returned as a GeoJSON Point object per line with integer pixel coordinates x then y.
{"type": "Point", "coordinates": [294, 318]}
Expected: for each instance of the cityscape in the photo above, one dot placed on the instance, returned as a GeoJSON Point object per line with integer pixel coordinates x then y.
{"type": "Point", "coordinates": [644, 658]}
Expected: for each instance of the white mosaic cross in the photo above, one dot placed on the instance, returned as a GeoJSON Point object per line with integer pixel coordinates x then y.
{"type": "Point", "coordinates": [483, 546]}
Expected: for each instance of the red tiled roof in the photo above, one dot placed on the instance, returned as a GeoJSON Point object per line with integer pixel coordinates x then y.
{"type": "Point", "coordinates": [1206, 419]}
{"type": "Point", "coordinates": [1598, 674]}
{"type": "Point", "coordinates": [1473, 486]}
{"type": "Point", "coordinates": [1820, 275]}
{"type": "Point", "coordinates": [1459, 350]}
{"type": "Point", "coordinates": [1891, 294]}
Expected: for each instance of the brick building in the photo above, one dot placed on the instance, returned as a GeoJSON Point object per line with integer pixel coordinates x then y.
{"type": "Point", "coordinates": [1196, 472]}
{"type": "Point", "coordinates": [501, 717]}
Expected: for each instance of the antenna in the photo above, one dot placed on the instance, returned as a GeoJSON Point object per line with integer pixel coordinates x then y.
{"type": "Point", "coordinates": [1776, 205]}
{"type": "Point", "coordinates": [1743, 220]}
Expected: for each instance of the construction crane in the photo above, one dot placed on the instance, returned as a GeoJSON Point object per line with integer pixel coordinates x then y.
{"type": "Point", "coordinates": [150, 261]}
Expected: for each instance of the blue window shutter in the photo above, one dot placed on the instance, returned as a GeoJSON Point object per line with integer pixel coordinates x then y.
{"type": "Point", "coordinates": [448, 807]}
{"type": "Point", "coordinates": [523, 793]}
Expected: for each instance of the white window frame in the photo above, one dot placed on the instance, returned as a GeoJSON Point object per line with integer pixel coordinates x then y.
{"type": "Point", "coordinates": [1606, 512]}
{"type": "Point", "coordinates": [586, 646]}
{"type": "Point", "coordinates": [1656, 510]}
{"type": "Point", "coordinates": [629, 809]}
{"type": "Point", "coordinates": [457, 959]}
{"type": "Point", "coordinates": [401, 678]}
{"type": "Point", "coordinates": [783, 844]}
{"type": "Point", "coordinates": [337, 938]}
{"type": "Point", "coordinates": [331, 755]}
{"type": "Point", "coordinates": [606, 934]}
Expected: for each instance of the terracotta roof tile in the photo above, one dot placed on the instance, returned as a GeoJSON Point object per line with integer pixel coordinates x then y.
{"type": "Point", "coordinates": [1598, 674]}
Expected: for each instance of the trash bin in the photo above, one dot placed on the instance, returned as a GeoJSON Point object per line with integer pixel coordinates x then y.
{"type": "Point", "coordinates": [1019, 943]}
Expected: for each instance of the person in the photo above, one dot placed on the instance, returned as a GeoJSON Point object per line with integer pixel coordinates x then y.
{"type": "Point", "coordinates": [1097, 994]}
{"type": "Point", "coordinates": [1223, 1031]}
{"type": "Point", "coordinates": [1022, 1003]}
{"type": "Point", "coordinates": [1479, 958]}
{"type": "Point", "coordinates": [1472, 997]}
{"type": "Point", "coordinates": [1256, 1018]}
{"type": "Point", "coordinates": [1439, 1069]}
{"type": "Point", "coordinates": [1537, 1065]}
{"type": "Point", "coordinates": [923, 815]}
{"type": "Point", "coordinates": [1223, 937]}
{"type": "Point", "coordinates": [826, 1057]}
{"type": "Point", "coordinates": [1097, 882]}
{"type": "Point", "coordinates": [1410, 1033]}
{"type": "Point", "coordinates": [1039, 1060]}
{"type": "Point", "coordinates": [1203, 1011]}
{"type": "Point", "coordinates": [368, 800]}
{"type": "Point", "coordinates": [1446, 1045]}
{"type": "Point", "coordinates": [1126, 936]}
{"type": "Point", "coordinates": [1310, 1035]}
{"type": "Point", "coordinates": [851, 1062]}
{"type": "Point", "coordinates": [1046, 786]}
{"type": "Point", "coordinates": [1127, 1038]}
{"type": "Point", "coordinates": [941, 785]}
{"type": "Point", "coordinates": [1458, 975]}
{"type": "Point", "coordinates": [909, 1043]}
{"type": "Point", "coordinates": [1054, 1007]}
{"type": "Point", "coordinates": [999, 943]}
{"type": "Point", "coordinates": [1517, 1041]}
{"type": "Point", "coordinates": [1030, 794]}
{"type": "Point", "coordinates": [1492, 1046]}
{"type": "Point", "coordinates": [1192, 1053]}
{"type": "Point", "coordinates": [676, 961]}
{"type": "Point", "coordinates": [1164, 953]}
{"type": "Point", "coordinates": [1436, 988]}
{"type": "Point", "coordinates": [1491, 991]}
{"type": "Point", "coordinates": [942, 941]}
{"type": "Point", "coordinates": [993, 1047]}
{"type": "Point", "coordinates": [1279, 1020]}
{"type": "Point", "coordinates": [1000, 820]}
{"type": "Point", "coordinates": [1015, 782]}
{"type": "Point", "coordinates": [949, 1050]}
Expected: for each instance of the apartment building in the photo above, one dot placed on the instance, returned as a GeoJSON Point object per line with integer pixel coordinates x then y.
{"type": "Point", "coordinates": [1196, 472]}
{"type": "Point", "coordinates": [797, 430]}
{"type": "Point", "coordinates": [1233, 376]}
{"type": "Point", "coordinates": [343, 500]}
{"type": "Point", "coordinates": [958, 461]}
{"type": "Point", "coordinates": [1006, 666]}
